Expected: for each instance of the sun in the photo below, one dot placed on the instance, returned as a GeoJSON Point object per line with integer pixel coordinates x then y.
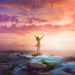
{"type": "Point", "coordinates": [59, 41]}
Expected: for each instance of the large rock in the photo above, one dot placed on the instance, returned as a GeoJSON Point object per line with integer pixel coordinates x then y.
{"type": "Point", "coordinates": [49, 65]}
{"type": "Point", "coordinates": [36, 65]}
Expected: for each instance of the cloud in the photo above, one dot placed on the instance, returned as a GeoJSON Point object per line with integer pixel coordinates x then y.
{"type": "Point", "coordinates": [34, 19]}
{"type": "Point", "coordinates": [35, 28]}
{"type": "Point", "coordinates": [39, 12]}
{"type": "Point", "coordinates": [7, 18]}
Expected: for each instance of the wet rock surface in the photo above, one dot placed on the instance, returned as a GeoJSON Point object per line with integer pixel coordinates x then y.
{"type": "Point", "coordinates": [36, 65]}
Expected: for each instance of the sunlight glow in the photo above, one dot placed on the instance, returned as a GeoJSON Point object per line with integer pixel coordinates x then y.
{"type": "Point", "coordinates": [61, 41]}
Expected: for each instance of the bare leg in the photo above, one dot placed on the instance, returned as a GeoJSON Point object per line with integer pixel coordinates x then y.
{"type": "Point", "coordinates": [38, 49]}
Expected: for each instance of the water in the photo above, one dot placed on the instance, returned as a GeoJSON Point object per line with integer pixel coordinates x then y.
{"type": "Point", "coordinates": [54, 59]}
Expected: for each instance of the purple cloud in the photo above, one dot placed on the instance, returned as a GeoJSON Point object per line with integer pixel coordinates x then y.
{"type": "Point", "coordinates": [32, 3]}
{"type": "Point", "coordinates": [14, 19]}
{"type": "Point", "coordinates": [27, 29]}
{"type": "Point", "coordinates": [6, 18]}
{"type": "Point", "coordinates": [33, 19]}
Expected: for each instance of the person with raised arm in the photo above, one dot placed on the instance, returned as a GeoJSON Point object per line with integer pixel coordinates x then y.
{"type": "Point", "coordinates": [38, 43]}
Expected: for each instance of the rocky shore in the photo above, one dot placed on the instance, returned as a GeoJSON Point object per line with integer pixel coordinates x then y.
{"type": "Point", "coordinates": [22, 64]}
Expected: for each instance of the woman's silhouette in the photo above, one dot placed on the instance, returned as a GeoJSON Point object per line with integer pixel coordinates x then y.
{"type": "Point", "coordinates": [38, 43]}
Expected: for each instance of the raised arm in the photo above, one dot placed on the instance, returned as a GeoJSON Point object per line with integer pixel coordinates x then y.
{"type": "Point", "coordinates": [41, 37]}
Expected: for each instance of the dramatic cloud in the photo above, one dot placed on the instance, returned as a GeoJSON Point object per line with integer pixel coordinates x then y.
{"type": "Point", "coordinates": [37, 12]}
{"type": "Point", "coordinates": [55, 12]}
{"type": "Point", "coordinates": [6, 18]}
{"type": "Point", "coordinates": [53, 18]}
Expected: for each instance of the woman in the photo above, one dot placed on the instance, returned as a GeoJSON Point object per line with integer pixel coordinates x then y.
{"type": "Point", "coordinates": [38, 43]}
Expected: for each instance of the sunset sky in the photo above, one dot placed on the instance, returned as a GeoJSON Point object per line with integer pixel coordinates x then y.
{"type": "Point", "coordinates": [20, 20]}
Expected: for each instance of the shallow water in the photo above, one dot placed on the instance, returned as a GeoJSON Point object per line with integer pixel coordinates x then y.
{"type": "Point", "coordinates": [54, 59]}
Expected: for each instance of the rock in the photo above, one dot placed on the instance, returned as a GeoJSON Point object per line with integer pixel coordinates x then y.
{"type": "Point", "coordinates": [6, 72]}
{"type": "Point", "coordinates": [69, 59]}
{"type": "Point", "coordinates": [49, 66]}
{"type": "Point", "coordinates": [59, 71]}
{"type": "Point", "coordinates": [69, 70]}
{"type": "Point", "coordinates": [36, 65]}
{"type": "Point", "coordinates": [44, 73]}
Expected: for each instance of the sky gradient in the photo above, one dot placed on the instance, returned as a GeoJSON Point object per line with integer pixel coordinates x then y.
{"type": "Point", "coordinates": [20, 20]}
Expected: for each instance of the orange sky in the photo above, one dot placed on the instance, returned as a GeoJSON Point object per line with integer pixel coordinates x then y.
{"type": "Point", "coordinates": [21, 19]}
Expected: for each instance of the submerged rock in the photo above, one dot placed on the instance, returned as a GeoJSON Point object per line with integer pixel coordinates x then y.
{"type": "Point", "coordinates": [59, 71]}
{"type": "Point", "coordinates": [69, 70]}
{"type": "Point", "coordinates": [36, 65]}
